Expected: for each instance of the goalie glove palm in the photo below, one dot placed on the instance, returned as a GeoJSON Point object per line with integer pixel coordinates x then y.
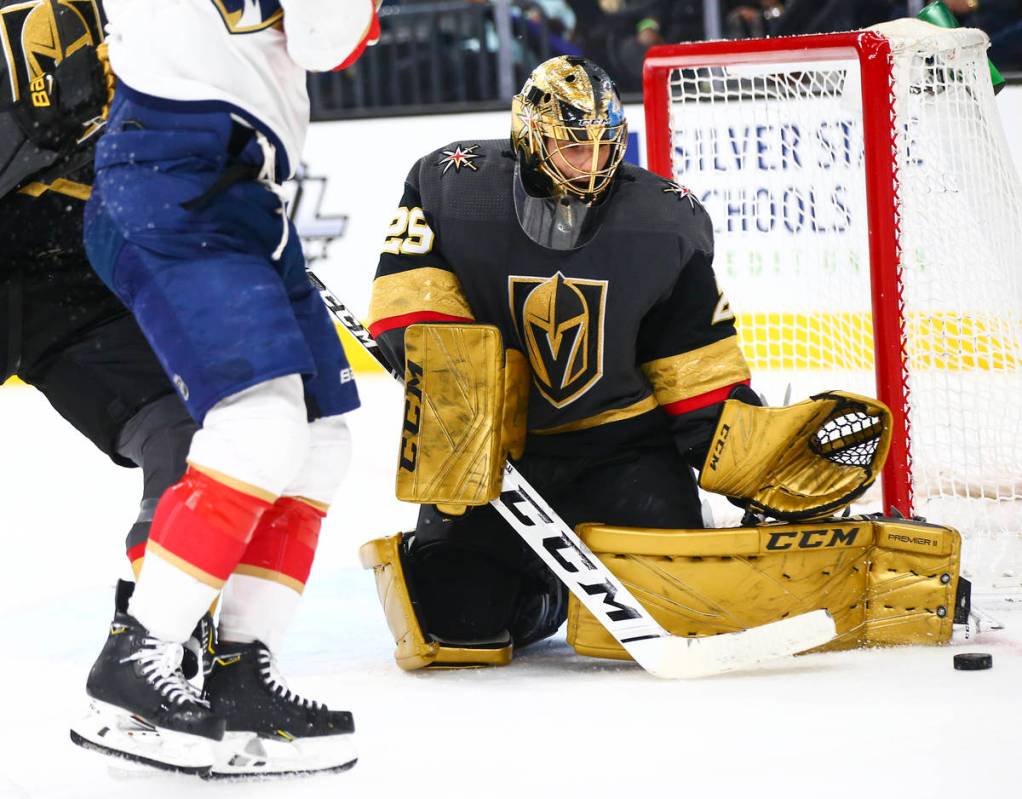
{"type": "Point", "coordinates": [805, 460]}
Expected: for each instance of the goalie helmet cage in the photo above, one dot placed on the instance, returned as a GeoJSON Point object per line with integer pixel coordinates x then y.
{"type": "Point", "coordinates": [868, 229]}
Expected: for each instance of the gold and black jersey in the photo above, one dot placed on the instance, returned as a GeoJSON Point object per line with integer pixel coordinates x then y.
{"type": "Point", "coordinates": [36, 36]}
{"type": "Point", "coordinates": [621, 334]}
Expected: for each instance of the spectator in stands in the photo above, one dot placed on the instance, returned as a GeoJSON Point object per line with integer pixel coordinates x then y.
{"type": "Point", "coordinates": [1001, 20]}
{"type": "Point", "coordinates": [680, 20]}
{"type": "Point", "coordinates": [632, 52]}
{"type": "Point", "coordinates": [814, 16]}
{"type": "Point", "coordinates": [548, 26]}
{"type": "Point", "coordinates": [752, 20]}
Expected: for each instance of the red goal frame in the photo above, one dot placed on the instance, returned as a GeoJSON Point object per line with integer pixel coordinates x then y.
{"type": "Point", "coordinates": [873, 53]}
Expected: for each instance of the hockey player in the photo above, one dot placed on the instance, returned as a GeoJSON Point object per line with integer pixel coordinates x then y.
{"type": "Point", "coordinates": [600, 273]}
{"type": "Point", "coordinates": [62, 330]}
{"type": "Point", "coordinates": [187, 226]}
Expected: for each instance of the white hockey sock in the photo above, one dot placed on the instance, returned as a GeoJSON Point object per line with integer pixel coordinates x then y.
{"type": "Point", "coordinates": [168, 601]}
{"type": "Point", "coordinates": [257, 609]}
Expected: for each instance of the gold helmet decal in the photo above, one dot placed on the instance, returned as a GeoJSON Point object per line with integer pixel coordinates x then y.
{"type": "Point", "coordinates": [560, 322]}
{"type": "Point", "coordinates": [569, 107]}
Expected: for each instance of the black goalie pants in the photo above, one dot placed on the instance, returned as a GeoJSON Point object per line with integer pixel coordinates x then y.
{"type": "Point", "coordinates": [472, 576]}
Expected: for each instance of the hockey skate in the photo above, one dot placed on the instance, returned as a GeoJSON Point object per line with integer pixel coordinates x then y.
{"type": "Point", "coordinates": [142, 708]}
{"type": "Point", "coordinates": [270, 730]}
{"type": "Point", "coordinates": [198, 650]}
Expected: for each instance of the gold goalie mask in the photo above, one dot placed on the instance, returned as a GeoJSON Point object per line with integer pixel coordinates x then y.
{"type": "Point", "coordinates": [569, 134]}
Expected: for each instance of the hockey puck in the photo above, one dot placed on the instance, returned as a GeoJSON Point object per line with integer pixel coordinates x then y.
{"type": "Point", "coordinates": [973, 661]}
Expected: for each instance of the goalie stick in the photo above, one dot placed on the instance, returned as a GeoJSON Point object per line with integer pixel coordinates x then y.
{"type": "Point", "coordinates": [601, 593]}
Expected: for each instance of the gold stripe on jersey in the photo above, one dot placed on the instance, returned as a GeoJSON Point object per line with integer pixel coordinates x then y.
{"type": "Point", "coordinates": [645, 405]}
{"type": "Point", "coordinates": [271, 576]}
{"type": "Point", "coordinates": [69, 188]}
{"type": "Point", "coordinates": [238, 485]}
{"type": "Point", "coordinates": [155, 550]}
{"type": "Point", "coordinates": [697, 372]}
{"type": "Point", "coordinates": [425, 289]}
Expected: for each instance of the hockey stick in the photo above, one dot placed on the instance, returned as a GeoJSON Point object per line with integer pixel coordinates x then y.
{"type": "Point", "coordinates": [602, 594]}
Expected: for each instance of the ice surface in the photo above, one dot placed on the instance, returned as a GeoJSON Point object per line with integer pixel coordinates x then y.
{"type": "Point", "coordinates": [871, 725]}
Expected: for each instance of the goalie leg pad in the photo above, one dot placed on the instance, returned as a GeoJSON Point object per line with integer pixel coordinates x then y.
{"type": "Point", "coordinates": [417, 649]}
{"type": "Point", "coordinates": [884, 581]}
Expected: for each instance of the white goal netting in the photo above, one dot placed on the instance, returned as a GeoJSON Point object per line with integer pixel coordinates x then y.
{"type": "Point", "coordinates": [776, 149]}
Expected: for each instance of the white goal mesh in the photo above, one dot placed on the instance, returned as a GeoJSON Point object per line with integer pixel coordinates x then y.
{"type": "Point", "coordinates": [844, 190]}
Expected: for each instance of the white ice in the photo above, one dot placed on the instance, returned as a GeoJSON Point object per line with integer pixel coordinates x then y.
{"type": "Point", "coordinates": [884, 723]}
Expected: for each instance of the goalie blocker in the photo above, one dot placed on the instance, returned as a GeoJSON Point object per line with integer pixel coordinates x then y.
{"type": "Point", "coordinates": [465, 412]}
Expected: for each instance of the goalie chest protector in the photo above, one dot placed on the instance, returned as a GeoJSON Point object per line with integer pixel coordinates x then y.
{"type": "Point", "coordinates": [585, 318]}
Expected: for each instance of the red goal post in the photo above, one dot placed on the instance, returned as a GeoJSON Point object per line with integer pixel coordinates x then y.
{"type": "Point", "coordinates": [845, 174]}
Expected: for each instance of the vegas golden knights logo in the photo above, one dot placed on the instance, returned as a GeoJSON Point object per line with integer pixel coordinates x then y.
{"type": "Point", "coordinates": [560, 322]}
{"type": "Point", "coordinates": [38, 34]}
{"type": "Point", "coordinates": [249, 16]}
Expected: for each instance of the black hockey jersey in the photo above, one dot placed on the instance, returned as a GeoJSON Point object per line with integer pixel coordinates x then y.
{"type": "Point", "coordinates": [42, 38]}
{"type": "Point", "coordinates": [622, 334]}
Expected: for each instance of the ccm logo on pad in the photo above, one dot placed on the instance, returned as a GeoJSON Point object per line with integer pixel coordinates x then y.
{"type": "Point", "coordinates": [812, 539]}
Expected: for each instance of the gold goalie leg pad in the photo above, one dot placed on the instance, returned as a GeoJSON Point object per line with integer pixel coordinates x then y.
{"type": "Point", "coordinates": [416, 649]}
{"type": "Point", "coordinates": [885, 581]}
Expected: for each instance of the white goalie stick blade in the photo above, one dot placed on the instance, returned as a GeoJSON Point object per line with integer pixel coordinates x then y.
{"type": "Point", "coordinates": [242, 754]}
{"type": "Point", "coordinates": [606, 597]}
{"type": "Point", "coordinates": [674, 657]}
{"type": "Point", "coordinates": [116, 732]}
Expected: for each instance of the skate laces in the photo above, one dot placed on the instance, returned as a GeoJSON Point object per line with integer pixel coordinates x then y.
{"type": "Point", "coordinates": [277, 684]}
{"type": "Point", "coordinates": [161, 666]}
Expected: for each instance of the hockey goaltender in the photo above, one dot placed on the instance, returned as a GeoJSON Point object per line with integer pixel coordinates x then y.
{"type": "Point", "coordinates": [549, 303]}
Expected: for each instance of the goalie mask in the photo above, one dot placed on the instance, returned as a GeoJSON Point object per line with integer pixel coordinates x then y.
{"type": "Point", "coordinates": [569, 134]}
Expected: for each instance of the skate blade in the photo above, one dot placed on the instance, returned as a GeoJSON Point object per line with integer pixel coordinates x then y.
{"type": "Point", "coordinates": [115, 732]}
{"type": "Point", "coordinates": [244, 755]}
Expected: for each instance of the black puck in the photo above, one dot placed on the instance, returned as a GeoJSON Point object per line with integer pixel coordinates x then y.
{"type": "Point", "coordinates": [973, 661]}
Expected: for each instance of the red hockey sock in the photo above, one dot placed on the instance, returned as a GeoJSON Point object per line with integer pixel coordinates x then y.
{"type": "Point", "coordinates": [203, 526]}
{"type": "Point", "coordinates": [263, 594]}
{"type": "Point", "coordinates": [283, 545]}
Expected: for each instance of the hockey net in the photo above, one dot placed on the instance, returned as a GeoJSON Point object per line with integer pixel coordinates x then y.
{"type": "Point", "coordinates": [868, 225]}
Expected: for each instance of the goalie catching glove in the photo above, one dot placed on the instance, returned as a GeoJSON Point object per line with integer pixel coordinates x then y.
{"type": "Point", "coordinates": [802, 461]}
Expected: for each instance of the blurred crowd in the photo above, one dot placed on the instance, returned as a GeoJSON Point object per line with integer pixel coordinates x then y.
{"type": "Point", "coordinates": [618, 33]}
{"type": "Point", "coordinates": [449, 51]}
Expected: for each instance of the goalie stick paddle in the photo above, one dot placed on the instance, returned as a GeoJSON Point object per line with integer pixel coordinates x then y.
{"type": "Point", "coordinates": [602, 594]}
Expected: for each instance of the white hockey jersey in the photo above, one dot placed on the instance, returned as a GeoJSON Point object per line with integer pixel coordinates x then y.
{"type": "Point", "coordinates": [249, 57]}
